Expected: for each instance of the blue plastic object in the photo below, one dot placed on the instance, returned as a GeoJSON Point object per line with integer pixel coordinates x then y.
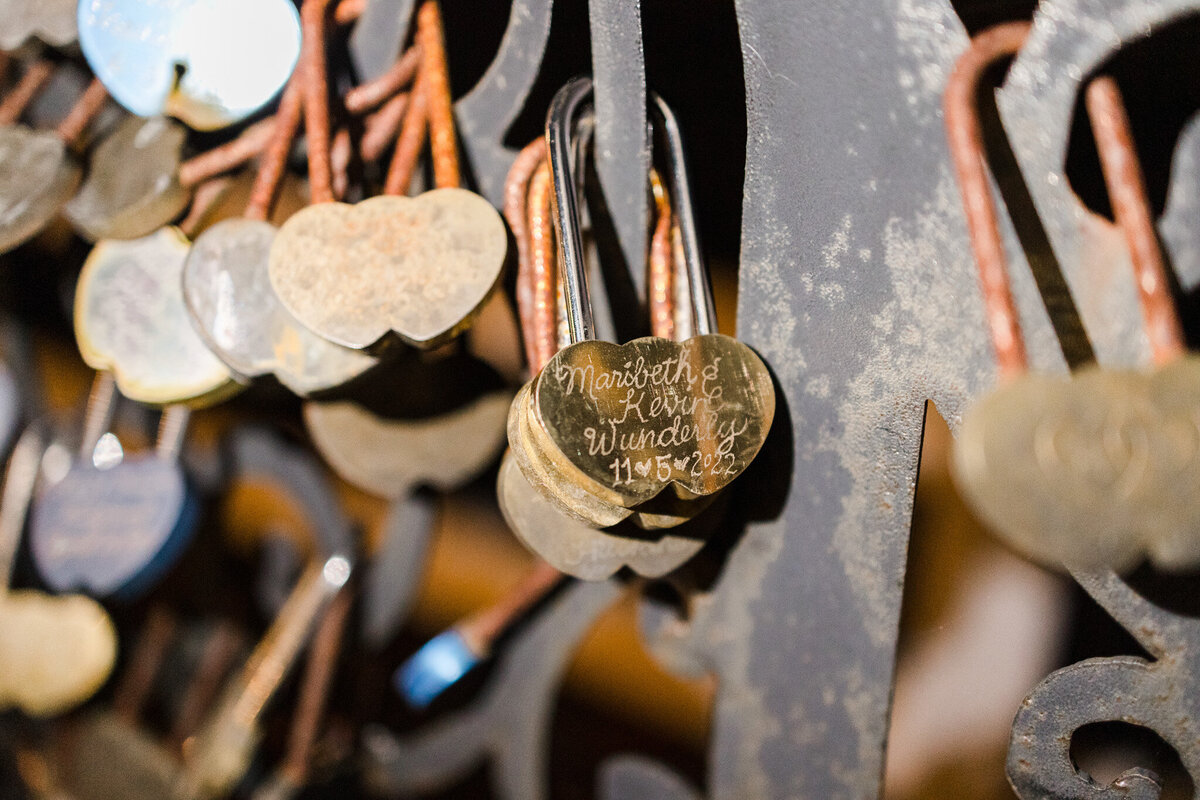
{"type": "Point", "coordinates": [433, 669]}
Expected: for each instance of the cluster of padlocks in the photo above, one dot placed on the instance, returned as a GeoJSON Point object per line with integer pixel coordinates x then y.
{"type": "Point", "coordinates": [618, 455]}
{"type": "Point", "coordinates": [617, 451]}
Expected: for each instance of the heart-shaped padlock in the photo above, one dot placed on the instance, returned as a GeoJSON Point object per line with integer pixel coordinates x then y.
{"type": "Point", "coordinates": [114, 531]}
{"type": "Point", "coordinates": [1100, 468]}
{"type": "Point", "coordinates": [209, 62]}
{"type": "Point", "coordinates": [623, 423]}
{"type": "Point", "coordinates": [650, 430]}
{"type": "Point", "coordinates": [132, 187]}
{"type": "Point", "coordinates": [391, 267]}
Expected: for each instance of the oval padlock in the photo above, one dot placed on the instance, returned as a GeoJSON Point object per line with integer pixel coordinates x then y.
{"type": "Point", "coordinates": [651, 429]}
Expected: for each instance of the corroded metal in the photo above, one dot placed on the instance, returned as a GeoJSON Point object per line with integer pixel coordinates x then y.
{"type": "Point", "coordinates": [1084, 471]}
{"type": "Point", "coordinates": [1098, 469]}
{"type": "Point", "coordinates": [420, 268]}
{"type": "Point", "coordinates": [228, 293]}
{"type": "Point", "coordinates": [1159, 694]}
{"type": "Point", "coordinates": [390, 457]}
{"type": "Point", "coordinates": [221, 752]}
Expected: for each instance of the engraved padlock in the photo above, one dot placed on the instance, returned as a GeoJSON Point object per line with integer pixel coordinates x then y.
{"type": "Point", "coordinates": [604, 430]}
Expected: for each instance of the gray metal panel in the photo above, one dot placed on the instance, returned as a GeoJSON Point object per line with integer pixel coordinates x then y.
{"type": "Point", "coordinates": [622, 145]}
{"type": "Point", "coordinates": [858, 288]}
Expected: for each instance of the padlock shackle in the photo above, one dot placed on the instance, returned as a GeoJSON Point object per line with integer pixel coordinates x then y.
{"type": "Point", "coordinates": [567, 124]}
{"type": "Point", "coordinates": [704, 313]}
{"type": "Point", "coordinates": [561, 126]}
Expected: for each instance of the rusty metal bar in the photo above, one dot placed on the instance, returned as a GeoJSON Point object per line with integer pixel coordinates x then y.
{"type": "Point", "coordinates": [965, 136]}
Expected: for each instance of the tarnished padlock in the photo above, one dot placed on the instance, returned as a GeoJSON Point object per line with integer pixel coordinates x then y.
{"type": "Point", "coordinates": [1099, 468]}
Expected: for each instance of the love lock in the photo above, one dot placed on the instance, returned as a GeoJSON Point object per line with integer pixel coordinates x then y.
{"type": "Point", "coordinates": [649, 430]}
{"type": "Point", "coordinates": [211, 63]}
{"type": "Point", "coordinates": [112, 530]}
{"type": "Point", "coordinates": [53, 22]}
{"type": "Point", "coordinates": [1101, 468]}
{"type": "Point", "coordinates": [132, 187]}
{"type": "Point", "coordinates": [418, 269]}
{"type": "Point", "coordinates": [55, 651]}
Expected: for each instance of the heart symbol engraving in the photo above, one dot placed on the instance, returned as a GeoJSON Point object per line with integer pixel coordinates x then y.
{"type": "Point", "coordinates": [419, 267]}
{"type": "Point", "coordinates": [1099, 469]}
{"type": "Point", "coordinates": [111, 531]}
{"type": "Point", "coordinates": [694, 413]}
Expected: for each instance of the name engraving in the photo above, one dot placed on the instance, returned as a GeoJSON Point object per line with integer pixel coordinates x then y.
{"type": "Point", "coordinates": [639, 416]}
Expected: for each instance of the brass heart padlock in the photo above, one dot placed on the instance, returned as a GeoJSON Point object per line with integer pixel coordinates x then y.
{"type": "Point", "coordinates": [605, 431]}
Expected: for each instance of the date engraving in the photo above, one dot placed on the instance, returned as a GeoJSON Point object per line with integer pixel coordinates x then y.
{"type": "Point", "coordinates": [636, 418]}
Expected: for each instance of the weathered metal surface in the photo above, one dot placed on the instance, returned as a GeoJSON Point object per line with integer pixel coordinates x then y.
{"type": "Point", "coordinates": [130, 318]}
{"type": "Point", "coordinates": [228, 294]}
{"type": "Point", "coordinates": [1069, 40]}
{"type": "Point", "coordinates": [36, 178]}
{"type": "Point", "coordinates": [1098, 469]}
{"type": "Point", "coordinates": [1159, 694]}
{"type": "Point", "coordinates": [420, 268]}
{"type": "Point", "coordinates": [622, 140]}
{"type": "Point", "coordinates": [376, 40]}
{"type": "Point", "coordinates": [862, 300]}
{"type": "Point", "coordinates": [486, 112]}
{"type": "Point", "coordinates": [132, 187]}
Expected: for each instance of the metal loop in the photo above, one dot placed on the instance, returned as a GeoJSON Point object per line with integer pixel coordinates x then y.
{"type": "Point", "coordinates": [699, 287]}
{"type": "Point", "coordinates": [568, 130]}
{"type": "Point", "coordinates": [964, 135]}
{"type": "Point", "coordinates": [560, 132]}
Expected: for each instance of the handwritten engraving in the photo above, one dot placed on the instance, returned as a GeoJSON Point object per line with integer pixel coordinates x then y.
{"type": "Point", "coordinates": [635, 418]}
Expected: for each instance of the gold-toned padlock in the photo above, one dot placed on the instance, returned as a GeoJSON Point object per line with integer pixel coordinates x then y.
{"type": "Point", "coordinates": [605, 430]}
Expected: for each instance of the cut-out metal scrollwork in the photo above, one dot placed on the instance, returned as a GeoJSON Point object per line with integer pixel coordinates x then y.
{"type": "Point", "coordinates": [1162, 694]}
{"type": "Point", "coordinates": [509, 725]}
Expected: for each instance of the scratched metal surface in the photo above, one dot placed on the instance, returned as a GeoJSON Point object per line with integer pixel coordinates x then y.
{"type": "Point", "coordinates": [857, 287]}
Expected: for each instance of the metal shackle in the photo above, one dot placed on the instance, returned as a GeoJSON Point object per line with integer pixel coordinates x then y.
{"type": "Point", "coordinates": [569, 122]}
